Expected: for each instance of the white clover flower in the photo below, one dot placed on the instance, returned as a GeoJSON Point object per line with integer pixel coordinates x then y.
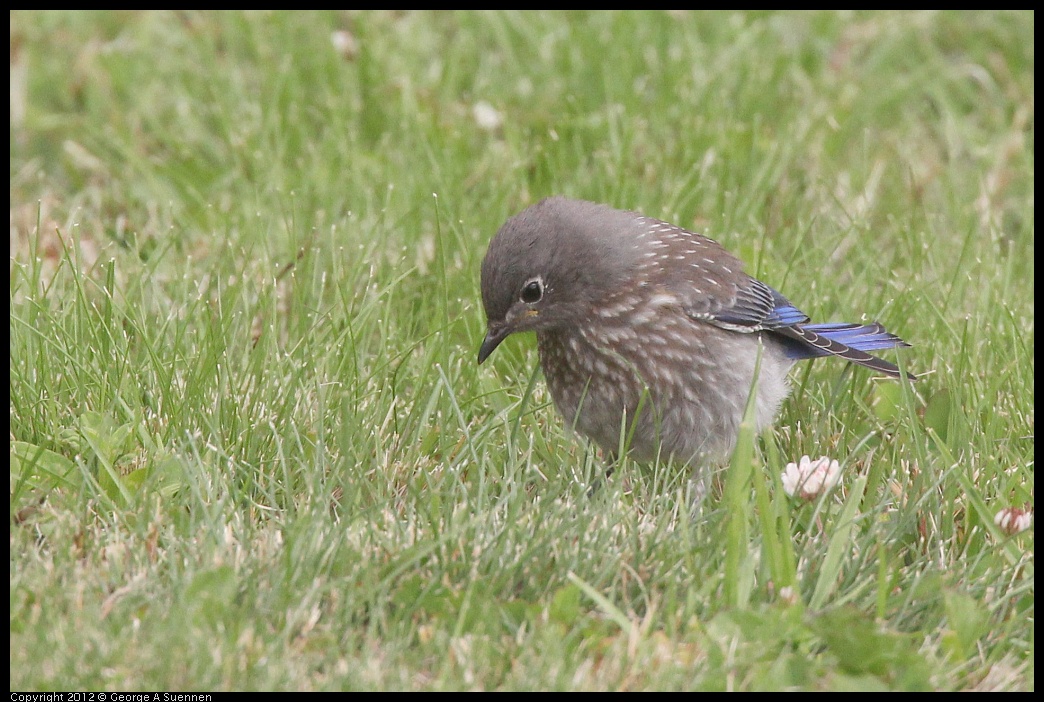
{"type": "Point", "coordinates": [788, 595]}
{"type": "Point", "coordinates": [345, 44]}
{"type": "Point", "coordinates": [809, 479]}
{"type": "Point", "coordinates": [1012, 520]}
{"type": "Point", "coordinates": [486, 116]}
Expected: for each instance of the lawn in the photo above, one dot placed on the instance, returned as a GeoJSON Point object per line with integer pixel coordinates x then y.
{"type": "Point", "coordinates": [250, 444]}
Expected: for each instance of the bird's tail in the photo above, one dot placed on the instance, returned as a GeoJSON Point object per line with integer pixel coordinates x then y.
{"type": "Point", "coordinates": [848, 341]}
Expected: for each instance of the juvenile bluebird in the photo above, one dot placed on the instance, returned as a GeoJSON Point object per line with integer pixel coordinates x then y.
{"type": "Point", "coordinates": [651, 331]}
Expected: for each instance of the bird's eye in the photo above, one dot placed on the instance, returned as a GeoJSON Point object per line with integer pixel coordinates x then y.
{"type": "Point", "coordinates": [532, 291]}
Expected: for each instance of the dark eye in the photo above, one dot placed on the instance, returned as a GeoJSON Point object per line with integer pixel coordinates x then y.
{"type": "Point", "coordinates": [532, 292]}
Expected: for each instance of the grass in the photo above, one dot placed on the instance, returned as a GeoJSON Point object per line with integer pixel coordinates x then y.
{"type": "Point", "coordinates": [251, 448]}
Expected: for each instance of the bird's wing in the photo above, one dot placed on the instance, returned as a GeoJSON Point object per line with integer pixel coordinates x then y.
{"type": "Point", "coordinates": [753, 306]}
{"type": "Point", "coordinates": [757, 307]}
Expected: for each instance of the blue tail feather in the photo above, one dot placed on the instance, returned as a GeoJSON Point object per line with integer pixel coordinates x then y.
{"type": "Point", "coordinates": [864, 337]}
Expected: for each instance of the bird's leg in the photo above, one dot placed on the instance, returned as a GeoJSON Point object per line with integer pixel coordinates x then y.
{"type": "Point", "coordinates": [700, 484]}
{"type": "Point", "coordinates": [611, 459]}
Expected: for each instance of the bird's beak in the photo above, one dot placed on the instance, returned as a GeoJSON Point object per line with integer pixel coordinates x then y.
{"type": "Point", "coordinates": [494, 335]}
{"type": "Point", "coordinates": [498, 331]}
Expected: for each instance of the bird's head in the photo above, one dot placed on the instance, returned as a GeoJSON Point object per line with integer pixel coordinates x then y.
{"type": "Point", "coordinates": [551, 264]}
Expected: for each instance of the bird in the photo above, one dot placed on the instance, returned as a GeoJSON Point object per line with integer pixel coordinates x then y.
{"type": "Point", "coordinates": [648, 333]}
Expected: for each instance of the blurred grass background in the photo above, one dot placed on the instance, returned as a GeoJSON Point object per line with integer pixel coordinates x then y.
{"type": "Point", "coordinates": [251, 448]}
